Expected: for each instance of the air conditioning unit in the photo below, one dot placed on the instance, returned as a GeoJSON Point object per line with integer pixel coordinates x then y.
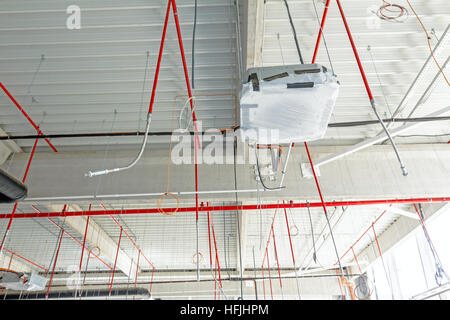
{"type": "Point", "coordinates": [21, 281]}
{"type": "Point", "coordinates": [285, 104]}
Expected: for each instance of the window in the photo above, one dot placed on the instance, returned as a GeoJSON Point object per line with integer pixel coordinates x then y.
{"type": "Point", "coordinates": [410, 266]}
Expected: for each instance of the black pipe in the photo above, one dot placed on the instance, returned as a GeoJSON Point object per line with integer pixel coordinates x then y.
{"type": "Point", "coordinates": [162, 133]}
{"type": "Point", "coordinates": [72, 295]}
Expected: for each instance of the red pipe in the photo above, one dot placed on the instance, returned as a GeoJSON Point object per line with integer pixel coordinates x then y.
{"type": "Point", "coordinates": [115, 262]}
{"type": "Point", "coordinates": [360, 237]}
{"type": "Point", "coordinates": [54, 263]}
{"type": "Point", "coordinates": [158, 65]}
{"type": "Point", "coordinates": [15, 205]}
{"type": "Point", "coordinates": [10, 261]}
{"type": "Point", "coordinates": [356, 260]}
{"type": "Point", "coordinates": [209, 238]}
{"type": "Point", "coordinates": [289, 234]}
{"type": "Point", "coordinates": [194, 118]}
{"type": "Point", "coordinates": [355, 51]}
{"type": "Point", "coordinates": [151, 280]}
{"type": "Point", "coordinates": [291, 205]}
{"type": "Point", "coordinates": [217, 256]}
{"type": "Point", "coordinates": [276, 256]}
{"type": "Point", "coordinates": [322, 26]}
{"type": "Point", "coordinates": [128, 236]}
{"type": "Point", "coordinates": [262, 273]}
{"type": "Point", "coordinates": [25, 259]}
{"type": "Point", "coordinates": [79, 243]}
{"type": "Point", "coordinates": [27, 116]}
{"type": "Point", "coordinates": [84, 239]}
{"type": "Point", "coordinates": [268, 270]}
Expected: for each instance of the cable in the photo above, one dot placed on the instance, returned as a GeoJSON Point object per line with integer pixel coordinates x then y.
{"type": "Point", "coordinates": [429, 43]}
{"type": "Point", "coordinates": [392, 12]}
{"type": "Point", "coordinates": [260, 176]}
{"type": "Point", "coordinates": [380, 83]}
{"type": "Point", "coordinates": [323, 36]}
{"type": "Point", "coordinates": [193, 45]}
{"type": "Point", "coordinates": [294, 32]}
{"type": "Point", "coordinates": [237, 216]}
{"type": "Point", "coordinates": [161, 199]}
{"type": "Point", "coordinates": [440, 272]}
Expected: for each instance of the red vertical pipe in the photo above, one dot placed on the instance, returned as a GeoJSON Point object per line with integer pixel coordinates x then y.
{"type": "Point", "coordinates": [217, 256]}
{"type": "Point", "coordinates": [276, 255]}
{"type": "Point", "coordinates": [319, 36]}
{"type": "Point", "coordinates": [355, 51]}
{"type": "Point", "coordinates": [209, 238]}
{"type": "Point", "coordinates": [194, 118]}
{"type": "Point", "coordinates": [381, 255]}
{"type": "Point", "coordinates": [115, 262]}
{"type": "Point", "coordinates": [54, 263]}
{"type": "Point", "coordinates": [15, 205]}
{"type": "Point", "coordinates": [356, 260]}
{"type": "Point", "coordinates": [137, 269]}
{"type": "Point", "coordinates": [10, 261]}
{"type": "Point", "coordinates": [289, 234]}
{"type": "Point", "coordinates": [268, 270]}
{"type": "Point", "coordinates": [151, 281]}
{"type": "Point", "coordinates": [262, 273]}
{"type": "Point", "coordinates": [84, 239]}
{"type": "Point", "coordinates": [215, 279]}
{"type": "Point", "coordinates": [158, 65]}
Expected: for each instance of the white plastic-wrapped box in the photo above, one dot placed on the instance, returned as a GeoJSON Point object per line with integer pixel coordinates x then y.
{"type": "Point", "coordinates": [293, 102]}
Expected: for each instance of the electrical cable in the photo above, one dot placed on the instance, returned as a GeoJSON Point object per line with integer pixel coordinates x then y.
{"type": "Point", "coordinates": [237, 217]}
{"type": "Point", "coordinates": [440, 272]}
{"type": "Point", "coordinates": [294, 32]}
{"type": "Point", "coordinates": [161, 199]}
{"type": "Point", "coordinates": [260, 176]}
{"type": "Point", "coordinates": [429, 43]}
{"type": "Point", "coordinates": [379, 81]}
{"type": "Point", "coordinates": [323, 36]}
{"type": "Point", "coordinates": [392, 12]}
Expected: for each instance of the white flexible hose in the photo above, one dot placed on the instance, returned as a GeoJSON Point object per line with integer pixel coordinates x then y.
{"type": "Point", "coordinates": [181, 114]}
{"type": "Point", "coordinates": [144, 143]}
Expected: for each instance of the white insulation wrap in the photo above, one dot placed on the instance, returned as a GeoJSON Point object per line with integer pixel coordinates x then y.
{"type": "Point", "coordinates": [287, 104]}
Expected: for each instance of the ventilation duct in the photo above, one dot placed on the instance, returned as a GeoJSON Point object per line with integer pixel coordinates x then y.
{"type": "Point", "coordinates": [11, 189]}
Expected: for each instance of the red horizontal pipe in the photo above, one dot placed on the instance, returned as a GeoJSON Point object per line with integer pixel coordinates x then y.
{"type": "Point", "coordinates": [27, 116]}
{"type": "Point", "coordinates": [227, 208]}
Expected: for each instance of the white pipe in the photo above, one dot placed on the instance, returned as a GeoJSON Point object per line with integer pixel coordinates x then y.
{"type": "Point", "coordinates": [283, 172]}
{"type": "Point", "coordinates": [133, 163]}
{"type": "Point", "coordinates": [137, 195]}
{"type": "Point", "coordinates": [375, 140]}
